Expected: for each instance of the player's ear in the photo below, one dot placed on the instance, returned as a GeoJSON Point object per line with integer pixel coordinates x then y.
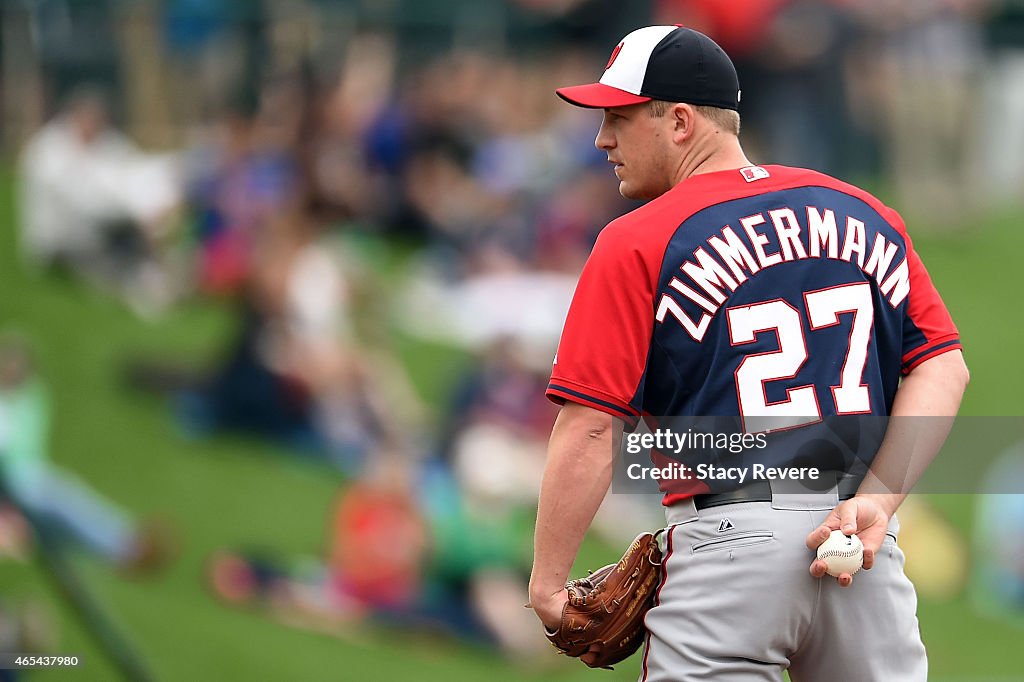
{"type": "Point", "coordinates": [683, 117]}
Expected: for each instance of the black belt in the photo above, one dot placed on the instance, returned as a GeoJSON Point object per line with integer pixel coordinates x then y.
{"type": "Point", "coordinates": [761, 491]}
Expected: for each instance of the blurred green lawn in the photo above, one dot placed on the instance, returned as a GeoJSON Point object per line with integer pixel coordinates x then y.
{"type": "Point", "coordinates": [233, 491]}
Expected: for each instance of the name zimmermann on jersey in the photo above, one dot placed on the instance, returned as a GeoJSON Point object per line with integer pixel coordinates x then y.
{"type": "Point", "coordinates": [729, 260]}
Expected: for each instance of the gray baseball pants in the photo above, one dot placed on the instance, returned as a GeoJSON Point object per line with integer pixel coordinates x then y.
{"type": "Point", "coordinates": [737, 603]}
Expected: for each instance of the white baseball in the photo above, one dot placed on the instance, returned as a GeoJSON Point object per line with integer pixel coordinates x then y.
{"type": "Point", "coordinates": [841, 553]}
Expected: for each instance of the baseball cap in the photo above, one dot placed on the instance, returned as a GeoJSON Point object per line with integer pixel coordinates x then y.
{"type": "Point", "coordinates": [670, 63]}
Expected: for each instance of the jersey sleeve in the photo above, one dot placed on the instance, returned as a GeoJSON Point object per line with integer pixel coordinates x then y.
{"type": "Point", "coordinates": [928, 329]}
{"type": "Point", "coordinates": [604, 345]}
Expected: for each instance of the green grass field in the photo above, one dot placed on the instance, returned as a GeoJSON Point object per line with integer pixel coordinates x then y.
{"type": "Point", "coordinates": [233, 491]}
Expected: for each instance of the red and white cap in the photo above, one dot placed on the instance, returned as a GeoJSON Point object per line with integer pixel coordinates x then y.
{"type": "Point", "coordinates": [669, 63]}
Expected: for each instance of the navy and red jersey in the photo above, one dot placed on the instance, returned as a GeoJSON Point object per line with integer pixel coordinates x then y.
{"type": "Point", "coordinates": [779, 295]}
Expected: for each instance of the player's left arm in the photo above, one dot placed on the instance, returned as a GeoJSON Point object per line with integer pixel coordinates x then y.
{"type": "Point", "coordinates": [596, 377]}
{"type": "Point", "coordinates": [576, 479]}
{"type": "Point", "coordinates": [922, 415]}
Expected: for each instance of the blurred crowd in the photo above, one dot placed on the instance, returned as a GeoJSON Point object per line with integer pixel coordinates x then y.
{"type": "Point", "coordinates": [241, 151]}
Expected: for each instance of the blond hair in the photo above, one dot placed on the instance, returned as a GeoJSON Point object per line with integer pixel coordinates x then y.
{"type": "Point", "coordinates": [726, 119]}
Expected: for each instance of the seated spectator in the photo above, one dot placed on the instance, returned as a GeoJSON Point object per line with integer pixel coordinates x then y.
{"type": "Point", "coordinates": [295, 374]}
{"type": "Point", "coordinates": [395, 559]}
{"type": "Point", "coordinates": [93, 203]}
{"type": "Point", "coordinates": [239, 180]}
{"type": "Point", "coordinates": [50, 497]}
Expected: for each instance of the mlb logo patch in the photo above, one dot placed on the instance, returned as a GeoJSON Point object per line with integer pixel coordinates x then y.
{"type": "Point", "coordinates": [752, 173]}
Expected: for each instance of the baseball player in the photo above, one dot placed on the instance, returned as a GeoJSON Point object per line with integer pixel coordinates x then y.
{"type": "Point", "coordinates": [761, 292]}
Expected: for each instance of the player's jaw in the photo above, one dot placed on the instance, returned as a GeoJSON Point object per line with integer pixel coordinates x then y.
{"type": "Point", "coordinates": [634, 177]}
{"type": "Point", "coordinates": [638, 180]}
{"type": "Point", "coordinates": [626, 188]}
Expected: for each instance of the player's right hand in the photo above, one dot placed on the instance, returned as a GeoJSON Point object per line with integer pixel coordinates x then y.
{"type": "Point", "coordinates": [864, 515]}
{"type": "Point", "coordinates": [549, 607]}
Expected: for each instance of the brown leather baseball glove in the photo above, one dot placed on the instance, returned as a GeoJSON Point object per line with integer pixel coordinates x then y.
{"type": "Point", "coordinates": [604, 616]}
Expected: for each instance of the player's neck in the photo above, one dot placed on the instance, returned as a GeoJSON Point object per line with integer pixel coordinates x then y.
{"type": "Point", "coordinates": [711, 156]}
